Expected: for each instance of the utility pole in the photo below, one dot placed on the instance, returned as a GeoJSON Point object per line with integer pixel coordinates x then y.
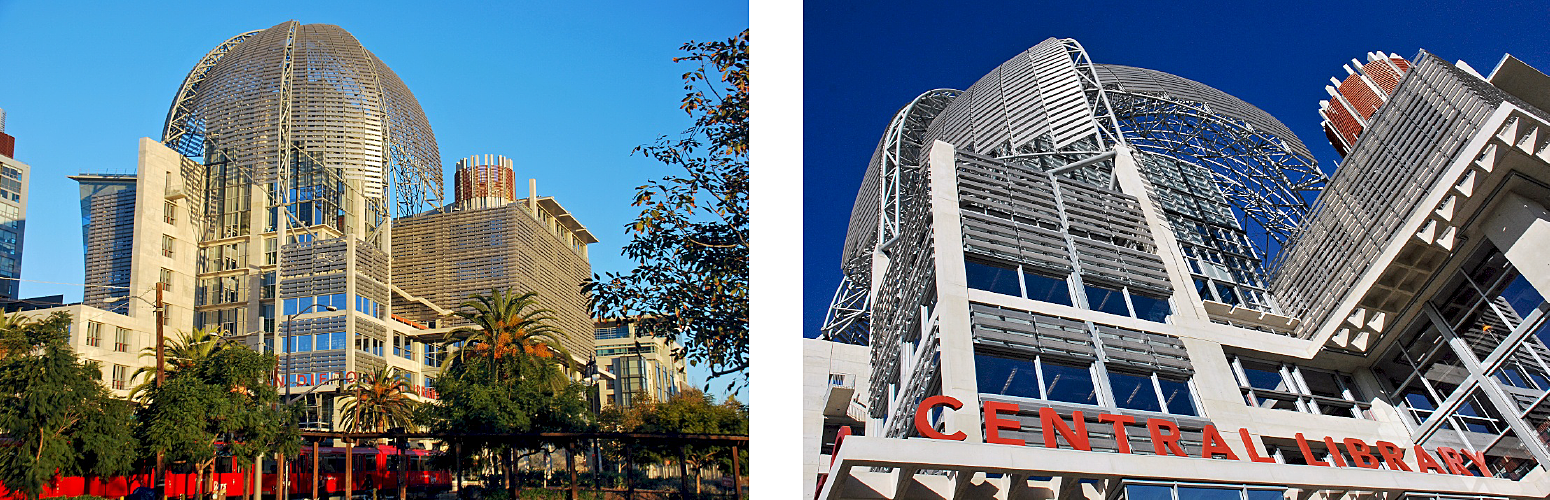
{"type": "Point", "coordinates": [161, 378]}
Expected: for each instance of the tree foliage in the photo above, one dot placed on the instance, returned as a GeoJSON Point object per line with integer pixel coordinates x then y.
{"type": "Point", "coordinates": [59, 418]}
{"type": "Point", "coordinates": [223, 397]}
{"type": "Point", "coordinates": [504, 379]}
{"type": "Point", "coordinates": [509, 325]}
{"type": "Point", "coordinates": [691, 237]}
{"type": "Point", "coordinates": [377, 401]}
{"type": "Point", "coordinates": [688, 412]}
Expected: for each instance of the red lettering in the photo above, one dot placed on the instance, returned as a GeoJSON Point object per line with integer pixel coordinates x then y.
{"type": "Point", "coordinates": [1119, 429]}
{"type": "Point", "coordinates": [923, 417]}
{"type": "Point", "coordinates": [1212, 444]}
{"type": "Point", "coordinates": [1361, 454]}
{"type": "Point", "coordinates": [1478, 457]}
{"type": "Point", "coordinates": [1248, 444]}
{"type": "Point", "coordinates": [1424, 461]}
{"type": "Point", "coordinates": [1307, 454]}
{"type": "Point", "coordinates": [1051, 422]}
{"type": "Point", "coordinates": [1455, 463]}
{"type": "Point", "coordinates": [1334, 451]}
{"type": "Point", "coordinates": [1161, 442]}
{"type": "Point", "coordinates": [994, 424]}
{"type": "Point", "coordinates": [1394, 455]}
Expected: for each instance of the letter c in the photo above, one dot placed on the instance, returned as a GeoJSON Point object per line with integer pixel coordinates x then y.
{"type": "Point", "coordinates": [923, 418]}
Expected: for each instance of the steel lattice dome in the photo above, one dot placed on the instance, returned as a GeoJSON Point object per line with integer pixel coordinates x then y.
{"type": "Point", "coordinates": [315, 87]}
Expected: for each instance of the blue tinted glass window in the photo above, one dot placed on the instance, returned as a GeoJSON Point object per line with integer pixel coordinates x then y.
{"type": "Point", "coordinates": [1194, 493]}
{"type": "Point", "coordinates": [1012, 377]}
{"type": "Point", "coordinates": [1225, 293]}
{"type": "Point", "coordinates": [1150, 309]}
{"type": "Point", "coordinates": [1267, 495]}
{"type": "Point", "coordinates": [1263, 376]}
{"type": "Point", "coordinates": [1133, 391]}
{"type": "Point", "coordinates": [1148, 492]}
{"type": "Point", "coordinates": [1073, 384]}
{"type": "Point", "coordinates": [303, 343]}
{"type": "Point", "coordinates": [290, 307]}
{"type": "Point", "coordinates": [1522, 295]}
{"type": "Point", "coordinates": [992, 278]}
{"type": "Point", "coordinates": [1176, 396]}
{"type": "Point", "coordinates": [1047, 289]}
{"type": "Point", "coordinates": [1106, 300]}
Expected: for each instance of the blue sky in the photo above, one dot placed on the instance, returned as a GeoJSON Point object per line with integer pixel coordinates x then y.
{"type": "Point", "coordinates": [566, 89]}
{"type": "Point", "coordinates": [864, 60]}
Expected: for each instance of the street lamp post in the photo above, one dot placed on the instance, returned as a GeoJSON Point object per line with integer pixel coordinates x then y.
{"type": "Point", "coordinates": [285, 478]}
{"type": "Point", "coordinates": [285, 344]}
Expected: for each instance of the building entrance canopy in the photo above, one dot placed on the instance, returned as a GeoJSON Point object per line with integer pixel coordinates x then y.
{"type": "Point", "coordinates": [872, 467]}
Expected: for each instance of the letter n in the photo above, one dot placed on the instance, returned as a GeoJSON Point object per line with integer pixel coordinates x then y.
{"type": "Point", "coordinates": [1052, 423]}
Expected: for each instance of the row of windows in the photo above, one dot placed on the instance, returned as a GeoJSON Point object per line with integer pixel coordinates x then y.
{"type": "Point", "coordinates": [121, 336]}
{"type": "Point", "coordinates": [1019, 281]}
{"type": "Point", "coordinates": [1286, 386]}
{"type": "Point", "coordinates": [1053, 379]}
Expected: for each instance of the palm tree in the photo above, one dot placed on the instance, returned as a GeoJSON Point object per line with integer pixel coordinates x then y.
{"type": "Point", "coordinates": [185, 351]}
{"type": "Point", "coordinates": [508, 325]}
{"type": "Point", "coordinates": [377, 401]}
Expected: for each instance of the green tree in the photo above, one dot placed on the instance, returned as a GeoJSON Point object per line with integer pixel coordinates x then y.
{"type": "Point", "coordinates": [377, 401]}
{"type": "Point", "coordinates": [505, 380]}
{"type": "Point", "coordinates": [188, 349]}
{"type": "Point", "coordinates": [59, 418]}
{"type": "Point", "coordinates": [688, 412]}
{"type": "Point", "coordinates": [224, 397]}
{"type": "Point", "coordinates": [691, 237]}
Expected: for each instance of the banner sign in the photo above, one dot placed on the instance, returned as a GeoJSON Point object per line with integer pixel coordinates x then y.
{"type": "Point", "coordinates": [1165, 436]}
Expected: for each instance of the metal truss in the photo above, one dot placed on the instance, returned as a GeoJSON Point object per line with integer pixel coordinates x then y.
{"type": "Point", "coordinates": [183, 130]}
{"type": "Point", "coordinates": [901, 151]}
{"type": "Point", "coordinates": [849, 316]}
{"type": "Point", "coordinates": [849, 319]}
{"type": "Point", "coordinates": [1109, 132]}
{"type": "Point", "coordinates": [1259, 173]}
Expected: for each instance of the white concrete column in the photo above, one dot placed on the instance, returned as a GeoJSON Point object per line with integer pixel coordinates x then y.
{"type": "Point", "coordinates": [1187, 308]}
{"type": "Point", "coordinates": [958, 376]}
{"type": "Point", "coordinates": [1520, 228]}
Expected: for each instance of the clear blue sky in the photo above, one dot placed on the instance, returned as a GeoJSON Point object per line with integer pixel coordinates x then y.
{"type": "Point", "coordinates": [865, 60]}
{"type": "Point", "coordinates": [566, 89]}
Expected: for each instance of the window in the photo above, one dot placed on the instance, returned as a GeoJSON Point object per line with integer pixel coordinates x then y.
{"type": "Point", "coordinates": [169, 212]}
{"type": "Point", "coordinates": [1151, 392]}
{"type": "Point", "coordinates": [1106, 300]}
{"type": "Point", "coordinates": [121, 340]}
{"type": "Point", "coordinates": [94, 334]}
{"type": "Point", "coordinates": [1127, 302]}
{"type": "Point", "coordinates": [1285, 386]}
{"type": "Point", "coordinates": [120, 377]}
{"type": "Point", "coordinates": [1038, 377]}
{"type": "Point", "coordinates": [1017, 281]}
{"type": "Point", "coordinates": [1153, 490]}
{"type": "Point", "coordinates": [166, 245]}
{"type": "Point", "coordinates": [166, 279]}
{"type": "Point", "coordinates": [271, 252]}
{"type": "Point", "coordinates": [993, 278]}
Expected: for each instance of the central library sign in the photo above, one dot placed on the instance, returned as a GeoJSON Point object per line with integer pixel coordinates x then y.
{"type": "Point", "coordinates": [1165, 437]}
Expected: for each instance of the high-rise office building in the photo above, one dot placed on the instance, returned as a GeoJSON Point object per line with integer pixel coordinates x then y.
{"type": "Point", "coordinates": [1108, 282]}
{"type": "Point", "coordinates": [107, 237]}
{"type": "Point", "coordinates": [644, 367]}
{"type": "Point", "coordinates": [14, 179]}
{"type": "Point", "coordinates": [489, 240]}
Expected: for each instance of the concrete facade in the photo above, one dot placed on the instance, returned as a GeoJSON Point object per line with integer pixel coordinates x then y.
{"type": "Point", "coordinates": [530, 245]}
{"type": "Point", "coordinates": [1059, 269]}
